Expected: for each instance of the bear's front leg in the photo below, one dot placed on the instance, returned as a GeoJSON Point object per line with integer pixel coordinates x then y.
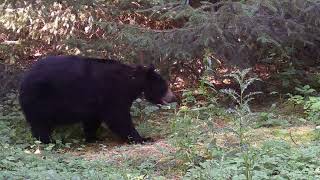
{"type": "Point", "coordinates": [121, 125]}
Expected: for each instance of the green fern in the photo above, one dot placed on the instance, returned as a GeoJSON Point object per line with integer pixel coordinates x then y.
{"type": "Point", "coordinates": [242, 110]}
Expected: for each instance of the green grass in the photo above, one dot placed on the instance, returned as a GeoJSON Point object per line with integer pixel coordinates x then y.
{"type": "Point", "coordinates": [193, 143]}
{"type": "Point", "coordinates": [16, 163]}
{"type": "Point", "coordinates": [274, 160]}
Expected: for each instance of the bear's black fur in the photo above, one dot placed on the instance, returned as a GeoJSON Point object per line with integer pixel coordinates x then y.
{"type": "Point", "coordinates": [61, 90]}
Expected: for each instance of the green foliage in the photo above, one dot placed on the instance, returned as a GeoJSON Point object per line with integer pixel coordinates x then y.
{"type": "Point", "coordinates": [12, 124]}
{"type": "Point", "coordinates": [186, 134]}
{"type": "Point", "coordinates": [270, 118]}
{"type": "Point", "coordinates": [9, 104]}
{"type": "Point", "coordinates": [202, 96]}
{"type": "Point", "coordinates": [193, 129]}
{"type": "Point", "coordinates": [242, 110]}
{"type": "Point", "coordinates": [188, 97]}
{"type": "Point", "coordinates": [243, 114]}
{"type": "Point", "coordinates": [309, 102]}
{"type": "Point", "coordinates": [274, 32]}
{"type": "Point", "coordinates": [9, 78]}
{"type": "Point", "coordinates": [141, 108]}
{"type": "Point", "coordinates": [305, 90]}
{"type": "Point", "coordinates": [289, 75]}
{"type": "Point", "coordinates": [317, 134]}
{"type": "Point", "coordinates": [312, 109]}
{"type": "Point", "coordinates": [255, 32]}
{"type": "Point", "coordinates": [18, 164]}
{"type": "Point", "coordinates": [274, 160]}
{"type": "Point", "coordinates": [281, 33]}
{"type": "Point", "coordinates": [194, 132]}
{"type": "Point", "coordinates": [13, 130]}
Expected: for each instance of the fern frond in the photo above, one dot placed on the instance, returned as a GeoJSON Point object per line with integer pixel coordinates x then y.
{"type": "Point", "coordinates": [251, 94]}
{"type": "Point", "coordinates": [236, 76]}
{"type": "Point", "coordinates": [232, 93]}
{"type": "Point", "coordinates": [247, 83]}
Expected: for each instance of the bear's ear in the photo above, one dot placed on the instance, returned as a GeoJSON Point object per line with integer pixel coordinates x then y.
{"type": "Point", "coordinates": [139, 70]}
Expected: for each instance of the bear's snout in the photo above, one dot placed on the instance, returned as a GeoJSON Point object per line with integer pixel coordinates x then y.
{"type": "Point", "coordinates": [169, 97]}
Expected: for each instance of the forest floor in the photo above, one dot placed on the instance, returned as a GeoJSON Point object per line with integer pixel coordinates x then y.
{"type": "Point", "coordinates": [158, 160]}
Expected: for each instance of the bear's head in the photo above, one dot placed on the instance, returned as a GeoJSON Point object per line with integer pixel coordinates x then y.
{"type": "Point", "coordinates": [156, 89]}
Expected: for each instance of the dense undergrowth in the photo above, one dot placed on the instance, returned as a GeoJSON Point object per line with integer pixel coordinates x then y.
{"type": "Point", "coordinates": [274, 160]}
{"type": "Point", "coordinates": [282, 36]}
{"type": "Point", "coordinates": [212, 134]}
{"type": "Point", "coordinates": [201, 139]}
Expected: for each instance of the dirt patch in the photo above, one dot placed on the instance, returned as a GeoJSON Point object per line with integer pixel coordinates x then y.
{"type": "Point", "coordinates": [256, 137]}
{"type": "Point", "coordinates": [294, 135]}
{"type": "Point", "coordinates": [119, 152]}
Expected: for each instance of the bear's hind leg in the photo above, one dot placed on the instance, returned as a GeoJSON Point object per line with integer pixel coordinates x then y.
{"type": "Point", "coordinates": [41, 133]}
{"type": "Point", "coordinates": [121, 125]}
{"type": "Point", "coordinates": [90, 129]}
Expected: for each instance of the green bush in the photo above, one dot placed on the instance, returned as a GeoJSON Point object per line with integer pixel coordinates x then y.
{"type": "Point", "coordinates": [193, 131]}
{"type": "Point", "coordinates": [310, 103]}
{"type": "Point", "coordinates": [275, 160]}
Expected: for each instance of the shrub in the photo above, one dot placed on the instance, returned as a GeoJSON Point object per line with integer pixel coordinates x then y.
{"type": "Point", "coordinates": [310, 103]}
{"type": "Point", "coordinates": [275, 160]}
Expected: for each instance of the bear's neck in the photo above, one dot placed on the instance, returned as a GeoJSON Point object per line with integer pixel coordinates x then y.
{"type": "Point", "coordinates": [136, 87]}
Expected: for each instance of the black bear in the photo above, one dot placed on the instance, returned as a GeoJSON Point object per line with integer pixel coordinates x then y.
{"type": "Point", "coordinates": [60, 90]}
